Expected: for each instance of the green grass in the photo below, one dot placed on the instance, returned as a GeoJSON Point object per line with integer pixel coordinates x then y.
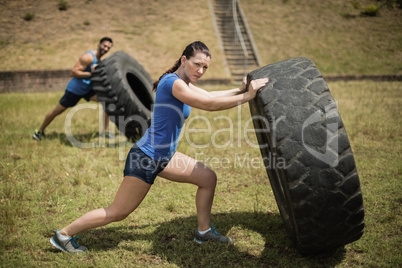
{"type": "Point", "coordinates": [44, 186]}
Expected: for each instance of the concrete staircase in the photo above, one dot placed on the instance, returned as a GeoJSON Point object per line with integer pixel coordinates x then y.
{"type": "Point", "coordinates": [235, 38]}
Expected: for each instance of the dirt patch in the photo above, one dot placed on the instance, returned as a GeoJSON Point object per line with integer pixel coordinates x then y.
{"type": "Point", "coordinates": [151, 31]}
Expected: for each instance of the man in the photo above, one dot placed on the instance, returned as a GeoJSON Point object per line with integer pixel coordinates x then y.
{"type": "Point", "coordinates": [80, 86]}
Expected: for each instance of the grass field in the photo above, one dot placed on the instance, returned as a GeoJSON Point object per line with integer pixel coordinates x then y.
{"type": "Point", "coordinates": [44, 186]}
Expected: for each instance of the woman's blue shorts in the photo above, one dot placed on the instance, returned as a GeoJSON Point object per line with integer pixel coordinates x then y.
{"type": "Point", "coordinates": [140, 165]}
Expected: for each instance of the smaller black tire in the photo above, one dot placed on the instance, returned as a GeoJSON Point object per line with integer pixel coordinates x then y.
{"type": "Point", "coordinates": [125, 90]}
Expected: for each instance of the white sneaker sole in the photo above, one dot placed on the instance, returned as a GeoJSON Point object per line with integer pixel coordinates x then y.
{"type": "Point", "coordinates": [56, 245]}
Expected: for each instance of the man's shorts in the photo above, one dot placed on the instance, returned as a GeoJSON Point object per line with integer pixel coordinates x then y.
{"type": "Point", "coordinates": [140, 165]}
{"type": "Point", "coordinates": [69, 99]}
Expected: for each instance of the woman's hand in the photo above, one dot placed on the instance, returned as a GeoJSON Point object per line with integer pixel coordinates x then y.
{"type": "Point", "coordinates": [255, 85]}
{"type": "Point", "coordinates": [243, 85]}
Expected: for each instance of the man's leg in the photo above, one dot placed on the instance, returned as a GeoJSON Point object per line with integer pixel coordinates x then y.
{"type": "Point", "coordinates": [105, 115]}
{"type": "Point", "coordinates": [106, 122]}
{"type": "Point", "coordinates": [51, 115]}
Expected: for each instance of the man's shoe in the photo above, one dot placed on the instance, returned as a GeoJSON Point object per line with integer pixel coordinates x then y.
{"type": "Point", "coordinates": [107, 135]}
{"type": "Point", "coordinates": [110, 135]}
{"type": "Point", "coordinates": [211, 235]}
{"type": "Point", "coordinates": [39, 135]}
{"type": "Point", "coordinates": [68, 245]}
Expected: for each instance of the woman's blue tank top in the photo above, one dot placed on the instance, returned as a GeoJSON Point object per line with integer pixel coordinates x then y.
{"type": "Point", "coordinates": [169, 114]}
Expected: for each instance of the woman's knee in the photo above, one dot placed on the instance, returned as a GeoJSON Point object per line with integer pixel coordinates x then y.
{"type": "Point", "coordinates": [213, 177]}
{"type": "Point", "coordinates": [115, 215]}
{"type": "Point", "coordinates": [209, 178]}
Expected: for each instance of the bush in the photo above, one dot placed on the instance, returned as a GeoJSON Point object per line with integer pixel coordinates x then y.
{"type": "Point", "coordinates": [355, 4]}
{"type": "Point", "coordinates": [63, 5]}
{"type": "Point", "coordinates": [371, 10]}
{"type": "Point", "coordinates": [29, 16]}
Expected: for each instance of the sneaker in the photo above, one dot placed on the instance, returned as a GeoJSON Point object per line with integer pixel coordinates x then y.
{"type": "Point", "coordinates": [69, 245]}
{"type": "Point", "coordinates": [110, 135]}
{"type": "Point", "coordinates": [38, 135]}
{"type": "Point", "coordinates": [211, 235]}
{"type": "Point", "coordinates": [107, 135]}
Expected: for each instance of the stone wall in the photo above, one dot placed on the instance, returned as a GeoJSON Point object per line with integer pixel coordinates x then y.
{"type": "Point", "coordinates": [34, 81]}
{"type": "Point", "coordinates": [52, 80]}
{"type": "Point", "coordinates": [56, 80]}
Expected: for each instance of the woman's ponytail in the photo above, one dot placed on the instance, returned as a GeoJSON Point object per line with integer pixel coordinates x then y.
{"type": "Point", "coordinates": [168, 71]}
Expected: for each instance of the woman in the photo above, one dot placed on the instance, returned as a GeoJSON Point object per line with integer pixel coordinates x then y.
{"type": "Point", "coordinates": [155, 153]}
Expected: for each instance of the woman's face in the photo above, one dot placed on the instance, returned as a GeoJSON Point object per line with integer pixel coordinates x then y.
{"type": "Point", "coordinates": [195, 67]}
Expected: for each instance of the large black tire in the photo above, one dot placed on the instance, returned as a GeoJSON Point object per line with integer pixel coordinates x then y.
{"type": "Point", "coordinates": [307, 156]}
{"type": "Point", "coordinates": [125, 90]}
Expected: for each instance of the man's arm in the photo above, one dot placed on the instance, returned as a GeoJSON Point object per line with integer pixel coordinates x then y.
{"type": "Point", "coordinates": [83, 62]}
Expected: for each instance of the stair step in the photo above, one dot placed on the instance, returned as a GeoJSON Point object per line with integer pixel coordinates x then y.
{"type": "Point", "coordinates": [232, 46]}
{"type": "Point", "coordinates": [241, 62]}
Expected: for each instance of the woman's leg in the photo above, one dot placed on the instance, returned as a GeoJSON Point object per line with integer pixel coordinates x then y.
{"type": "Point", "coordinates": [130, 194]}
{"type": "Point", "coordinates": [185, 169]}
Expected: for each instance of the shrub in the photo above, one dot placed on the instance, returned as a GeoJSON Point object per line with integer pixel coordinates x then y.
{"type": "Point", "coordinates": [63, 5]}
{"type": "Point", "coordinates": [29, 16]}
{"type": "Point", "coordinates": [371, 10]}
{"type": "Point", "coordinates": [355, 4]}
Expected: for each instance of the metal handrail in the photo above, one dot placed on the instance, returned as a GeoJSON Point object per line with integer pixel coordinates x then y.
{"type": "Point", "coordinates": [239, 35]}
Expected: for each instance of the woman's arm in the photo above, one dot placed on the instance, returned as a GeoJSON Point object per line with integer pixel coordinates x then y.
{"type": "Point", "coordinates": [222, 93]}
{"type": "Point", "coordinates": [197, 98]}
